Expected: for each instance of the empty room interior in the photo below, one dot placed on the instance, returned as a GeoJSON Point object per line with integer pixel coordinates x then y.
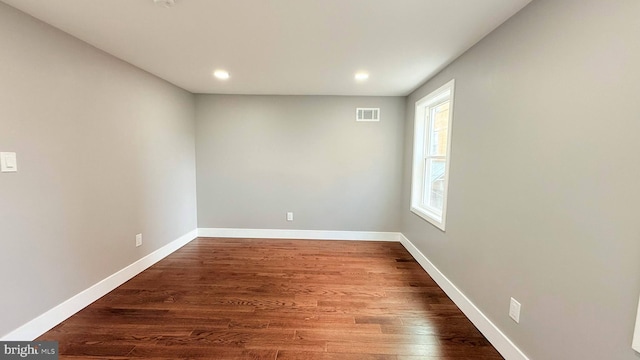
{"type": "Point", "coordinates": [321, 180]}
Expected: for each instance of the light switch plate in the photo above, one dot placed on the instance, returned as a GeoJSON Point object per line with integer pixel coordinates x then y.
{"type": "Point", "coordinates": [8, 162]}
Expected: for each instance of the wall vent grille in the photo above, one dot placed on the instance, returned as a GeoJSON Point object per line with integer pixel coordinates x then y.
{"type": "Point", "coordinates": [368, 114]}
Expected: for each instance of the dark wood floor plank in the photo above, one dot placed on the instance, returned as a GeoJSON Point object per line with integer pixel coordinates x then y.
{"type": "Point", "coordinates": [333, 335]}
{"type": "Point", "coordinates": [276, 299]}
{"type": "Point", "coordinates": [301, 355]}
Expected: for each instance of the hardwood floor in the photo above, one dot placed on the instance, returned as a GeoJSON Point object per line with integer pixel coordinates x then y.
{"type": "Point", "coordinates": [276, 299]}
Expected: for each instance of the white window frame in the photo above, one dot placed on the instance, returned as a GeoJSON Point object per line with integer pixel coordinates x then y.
{"type": "Point", "coordinates": [421, 138]}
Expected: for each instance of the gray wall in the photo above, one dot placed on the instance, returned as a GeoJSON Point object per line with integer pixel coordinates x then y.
{"type": "Point", "coordinates": [545, 174]}
{"type": "Point", "coordinates": [261, 156]}
{"type": "Point", "coordinates": [105, 151]}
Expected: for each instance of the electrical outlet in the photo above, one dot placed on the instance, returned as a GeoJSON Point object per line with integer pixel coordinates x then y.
{"type": "Point", "coordinates": [138, 240]}
{"type": "Point", "coordinates": [289, 216]}
{"type": "Point", "coordinates": [514, 310]}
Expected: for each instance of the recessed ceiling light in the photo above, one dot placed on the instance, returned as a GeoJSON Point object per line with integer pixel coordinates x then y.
{"type": "Point", "coordinates": [360, 76]}
{"type": "Point", "coordinates": [221, 74]}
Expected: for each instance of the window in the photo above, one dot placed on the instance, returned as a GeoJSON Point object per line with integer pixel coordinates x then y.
{"type": "Point", "coordinates": [431, 147]}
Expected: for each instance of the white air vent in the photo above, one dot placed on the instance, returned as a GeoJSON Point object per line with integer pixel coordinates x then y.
{"type": "Point", "coordinates": [368, 114]}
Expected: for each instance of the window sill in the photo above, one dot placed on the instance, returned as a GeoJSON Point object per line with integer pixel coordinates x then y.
{"type": "Point", "coordinates": [430, 217]}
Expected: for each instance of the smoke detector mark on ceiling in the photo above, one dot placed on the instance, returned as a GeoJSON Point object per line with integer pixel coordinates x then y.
{"type": "Point", "coordinates": [165, 3]}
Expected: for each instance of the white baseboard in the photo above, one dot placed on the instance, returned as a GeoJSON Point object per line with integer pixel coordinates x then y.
{"type": "Point", "coordinates": [299, 234]}
{"type": "Point", "coordinates": [53, 317]}
{"type": "Point", "coordinates": [496, 337]}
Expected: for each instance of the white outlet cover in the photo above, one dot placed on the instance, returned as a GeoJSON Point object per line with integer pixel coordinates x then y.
{"type": "Point", "coordinates": [8, 162]}
{"type": "Point", "coordinates": [514, 310]}
{"type": "Point", "coordinates": [289, 216]}
{"type": "Point", "coordinates": [138, 240]}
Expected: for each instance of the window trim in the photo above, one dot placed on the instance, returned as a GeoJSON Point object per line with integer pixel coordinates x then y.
{"type": "Point", "coordinates": [420, 143]}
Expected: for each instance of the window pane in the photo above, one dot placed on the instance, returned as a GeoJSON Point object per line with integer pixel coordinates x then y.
{"type": "Point", "coordinates": [426, 186]}
{"type": "Point", "coordinates": [434, 184]}
{"type": "Point", "coordinates": [439, 129]}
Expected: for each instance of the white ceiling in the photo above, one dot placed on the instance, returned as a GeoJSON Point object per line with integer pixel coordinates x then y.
{"type": "Point", "coordinates": [311, 47]}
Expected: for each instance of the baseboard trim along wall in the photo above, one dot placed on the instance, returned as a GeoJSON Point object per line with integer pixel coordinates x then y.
{"type": "Point", "coordinates": [299, 234]}
{"type": "Point", "coordinates": [496, 337]}
{"type": "Point", "coordinates": [58, 314]}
